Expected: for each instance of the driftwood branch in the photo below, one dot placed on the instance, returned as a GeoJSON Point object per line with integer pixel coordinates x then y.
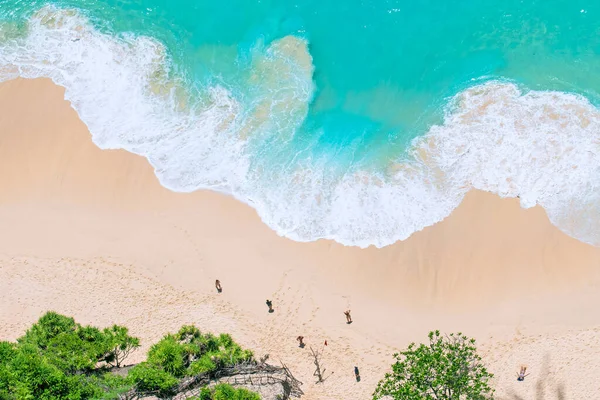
{"type": "Point", "coordinates": [319, 370]}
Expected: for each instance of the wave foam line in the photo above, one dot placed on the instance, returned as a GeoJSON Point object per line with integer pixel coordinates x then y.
{"type": "Point", "coordinates": [540, 146]}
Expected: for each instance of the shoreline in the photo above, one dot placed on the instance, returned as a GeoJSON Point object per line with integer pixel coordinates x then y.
{"type": "Point", "coordinates": [93, 234]}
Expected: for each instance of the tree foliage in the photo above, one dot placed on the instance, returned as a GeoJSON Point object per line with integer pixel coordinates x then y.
{"type": "Point", "coordinates": [447, 368]}
{"type": "Point", "coordinates": [119, 345]}
{"type": "Point", "coordinates": [58, 358]}
{"type": "Point", "coordinates": [185, 353]}
{"type": "Point", "coordinates": [47, 328]}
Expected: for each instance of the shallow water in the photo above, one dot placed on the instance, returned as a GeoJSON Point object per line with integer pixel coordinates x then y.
{"type": "Point", "coordinates": [358, 121]}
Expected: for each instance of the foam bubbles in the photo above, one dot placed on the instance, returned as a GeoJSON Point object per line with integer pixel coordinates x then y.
{"type": "Point", "coordinates": [541, 146]}
{"type": "Point", "coordinates": [123, 90]}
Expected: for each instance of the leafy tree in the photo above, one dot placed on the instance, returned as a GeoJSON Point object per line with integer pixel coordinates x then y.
{"type": "Point", "coordinates": [75, 348]}
{"type": "Point", "coordinates": [448, 368]}
{"type": "Point", "coordinates": [34, 377]}
{"type": "Point", "coordinates": [47, 328]}
{"type": "Point", "coordinates": [58, 359]}
{"type": "Point", "coordinates": [119, 344]}
{"type": "Point", "coordinates": [72, 354]}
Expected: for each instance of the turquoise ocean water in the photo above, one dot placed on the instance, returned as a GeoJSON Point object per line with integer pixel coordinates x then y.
{"type": "Point", "coordinates": [359, 121]}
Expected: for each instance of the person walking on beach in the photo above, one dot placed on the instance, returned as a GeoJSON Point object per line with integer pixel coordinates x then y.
{"type": "Point", "coordinates": [521, 375]}
{"type": "Point", "coordinates": [300, 339]}
{"type": "Point", "coordinates": [357, 374]}
{"type": "Point", "coordinates": [270, 305]}
{"type": "Point", "coordinates": [348, 317]}
{"type": "Point", "coordinates": [218, 286]}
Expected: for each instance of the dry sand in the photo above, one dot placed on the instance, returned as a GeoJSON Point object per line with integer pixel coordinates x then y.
{"type": "Point", "coordinates": [92, 234]}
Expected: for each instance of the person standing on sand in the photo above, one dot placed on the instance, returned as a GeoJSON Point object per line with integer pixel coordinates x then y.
{"type": "Point", "coordinates": [301, 340]}
{"type": "Point", "coordinates": [270, 305]}
{"type": "Point", "coordinates": [218, 286]}
{"type": "Point", "coordinates": [348, 317]}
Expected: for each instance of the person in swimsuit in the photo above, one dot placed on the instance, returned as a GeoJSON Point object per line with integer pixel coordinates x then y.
{"type": "Point", "coordinates": [521, 375]}
{"type": "Point", "coordinates": [218, 286]}
{"type": "Point", "coordinates": [270, 305]}
{"type": "Point", "coordinates": [348, 317]}
{"type": "Point", "coordinates": [300, 339]}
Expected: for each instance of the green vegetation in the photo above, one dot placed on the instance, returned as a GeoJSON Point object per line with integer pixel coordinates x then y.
{"type": "Point", "coordinates": [226, 392]}
{"type": "Point", "coordinates": [448, 368]}
{"type": "Point", "coordinates": [186, 353]}
{"type": "Point", "coordinates": [58, 358]}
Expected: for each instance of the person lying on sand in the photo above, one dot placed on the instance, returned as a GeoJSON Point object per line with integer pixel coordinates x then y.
{"type": "Point", "coordinates": [218, 286]}
{"type": "Point", "coordinates": [301, 340]}
{"type": "Point", "coordinates": [521, 375]}
{"type": "Point", "coordinates": [270, 305]}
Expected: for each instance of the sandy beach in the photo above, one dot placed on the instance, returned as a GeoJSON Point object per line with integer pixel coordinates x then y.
{"type": "Point", "coordinates": [92, 234]}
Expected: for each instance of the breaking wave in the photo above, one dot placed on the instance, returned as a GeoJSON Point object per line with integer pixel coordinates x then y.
{"type": "Point", "coordinates": [543, 147]}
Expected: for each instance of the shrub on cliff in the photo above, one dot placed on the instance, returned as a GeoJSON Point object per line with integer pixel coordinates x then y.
{"type": "Point", "coordinates": [226, 392]}
{"type": "Point", "coordinates": [186, 353]}
{"type": "Point", "coordinates": [75, 348]}
{"type": "Point", "coordinates": [60, 359]}
{"type": "Point", "coordinates": [150, 378]}
{"type": "Point", "coordinates": [447, 368]}
{"type": "Point", "coordinates": [28, 374]}
{"type": "Point", "coordinates": [119, 345]}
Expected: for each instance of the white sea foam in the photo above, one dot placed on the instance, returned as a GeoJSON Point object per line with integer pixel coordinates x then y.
{"type": "Point", "coordinates": [541, 146]}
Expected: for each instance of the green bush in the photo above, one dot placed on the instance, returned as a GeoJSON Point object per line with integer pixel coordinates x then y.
{"type": "Point", "coordinates": [71, 354]}
{"type": "Point", "coordinates": [111, 384]}
{"type": "Point", "coordinates": [209, 343]}
{"type": "Point", "coordinates": [202, 365]}
{"type": "Point", "coordinates": [148, 377]}
{"type": "Point", "coordinates": [56, 359]}
{"type": "Point", "coordinates": [48, 327]}
{"type": "Point", "coordinates": [7, 352]}
{"type": "Point", "coordinates": [59, 359]}
{"type": "Point", "coordinates": [205, 394]}
{"type": "Point", "coordinates": [226, 341]}
{"type": "Point", "coordinates": [169, 355]}
{"type": "Point", "coordinates": [188, 334]}
{"type": "Point", "coordinates": [226, 392]}
{"type": "Point", "coordinates": [446, 368]}
{"type": "Point", "coordinates": [32, 376]}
